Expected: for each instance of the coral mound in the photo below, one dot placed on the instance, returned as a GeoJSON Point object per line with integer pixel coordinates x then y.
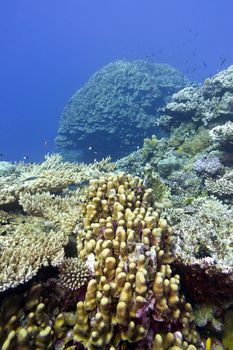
{"type": "Point", "coordinates": [118, 105]}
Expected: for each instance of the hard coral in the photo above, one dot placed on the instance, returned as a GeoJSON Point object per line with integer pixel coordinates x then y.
{"type": "Point", "coordinates": [134, 294]}
{"type": "Point", "coordinates": [208, 166]}
{"type": "Point", "coordinates": [221, 187]}
{"type": "Point", "coordinates": [203, 248]}
{"type": "Point", "coordinates": [73, 273]}
{"type": "Point", "coordinates": [119, 102]}
{"type": "Point", "coordinates": [210, 102]}
{"type": "Point", "coordinates": [28, 248]}
{"type": "Point", "coordinates": [223, 134]}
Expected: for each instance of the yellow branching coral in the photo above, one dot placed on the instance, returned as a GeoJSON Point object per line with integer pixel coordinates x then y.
{"type": "Point", "coordinates": [26, 322]}
{"type": "Point", "coordinates": [127, 245]}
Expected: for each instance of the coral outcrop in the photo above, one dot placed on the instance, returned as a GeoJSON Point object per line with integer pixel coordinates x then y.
{"type": "Point", "coordinates": [118, 105]}
{"type": "Point", "coordinates": [210, 103]}
{"type": "Point", "coordinates": [223, 135]}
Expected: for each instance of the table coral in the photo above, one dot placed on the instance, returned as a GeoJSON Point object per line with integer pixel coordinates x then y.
{"type": "Point", "coordinates": [53, 176]}
{"type": "Point", "coordinates": [30, 246]}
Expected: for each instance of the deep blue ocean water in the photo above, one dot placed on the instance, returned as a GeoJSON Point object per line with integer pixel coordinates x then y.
{"type": "Point", "coordinates": [49, 48]}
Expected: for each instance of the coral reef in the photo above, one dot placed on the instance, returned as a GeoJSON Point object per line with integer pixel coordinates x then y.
{"type": "Point", "coordinates": [91, 257]}
{"type": "Point", "coordinates": [132, 298]}
{"type": "Point", "coordinates": [6, 168]}
{"type": "Point", "coordinates": [212, 102]}
{"type": "Point", "coordinates": [206, 222]}
{"type": "Point", "coordinates": [31, 320]}
{"type": "Point", "coordinates": [53, 176]}
{"type": "Point", "coordinates": [117, 105]}
{"type": "Point", "coordinates": [27, 248]}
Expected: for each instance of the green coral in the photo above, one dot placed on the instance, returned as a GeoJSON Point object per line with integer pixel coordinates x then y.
{"type": "Point", "coordinates": [153, 180]}
{"type": "Point", "coordinates": [149, 146]}
{"type": "Point", "coordinates": [197, 143]}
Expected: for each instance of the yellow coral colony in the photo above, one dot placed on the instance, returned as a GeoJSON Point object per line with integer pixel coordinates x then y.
{"type": "Point", "coordinates": [127, 245]}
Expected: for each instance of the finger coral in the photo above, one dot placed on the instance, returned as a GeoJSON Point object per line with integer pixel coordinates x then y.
{"type": "Point", "coordinates": [133, 295]}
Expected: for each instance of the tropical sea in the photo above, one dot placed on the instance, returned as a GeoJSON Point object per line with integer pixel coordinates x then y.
{"type": "Point", "coordinates": [116, 175]}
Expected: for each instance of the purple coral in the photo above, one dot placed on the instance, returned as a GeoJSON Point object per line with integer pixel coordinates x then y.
{"type": "Point", "coordinates": [208, 166]}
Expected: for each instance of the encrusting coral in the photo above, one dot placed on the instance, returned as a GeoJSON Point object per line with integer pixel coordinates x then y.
{"type": "Point", "coordinates": [133, 297]}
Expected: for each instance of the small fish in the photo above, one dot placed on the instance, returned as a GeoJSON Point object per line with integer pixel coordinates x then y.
{"type": "Point", "coordinates": [25, 157]}
{"type": "Point", "coordinates": [31, 178]}
{"type": "Point", "coordinates": [222, 61]}
{"type": "Point", "coordinates": [91, 148]}
{"type": "Point", "coordinates": [1, 154]}
{"type": "Point", "coordinates": [204, 64]}
{"type": "Point", "coordinates": [45, 143]}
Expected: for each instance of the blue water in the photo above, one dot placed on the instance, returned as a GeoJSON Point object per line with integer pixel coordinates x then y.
{"type": "Point", "coordinates": [49, 48]}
